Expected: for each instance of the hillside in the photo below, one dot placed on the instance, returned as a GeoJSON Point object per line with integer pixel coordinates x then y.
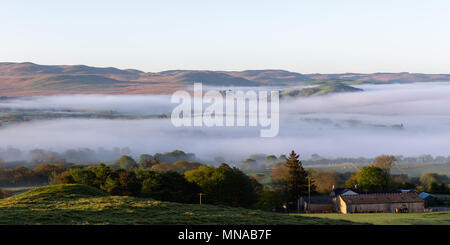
{"type": "Point", "coordinates": [320, 90]}
{"type": "Point", "coordinates": [25, 79]}
{"type": "Point", "coordinates": [80, 204]}
{"type": "Point", "coordinates": [74, 83]}
{"type": "Point", "coordinates": [272, 77]}
{"type": "Point", "coordinates": [207, 78]}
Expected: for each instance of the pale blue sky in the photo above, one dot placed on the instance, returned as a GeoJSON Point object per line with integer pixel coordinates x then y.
{"type": "Point", "coordinates": [302, 36]}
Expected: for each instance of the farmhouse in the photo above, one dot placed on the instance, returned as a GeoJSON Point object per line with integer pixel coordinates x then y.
{"type": "Point", "coordinates": [379, 203]}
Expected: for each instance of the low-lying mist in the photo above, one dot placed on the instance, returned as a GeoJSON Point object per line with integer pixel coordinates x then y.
{"type": "Point", "coordinates": [399, 119]}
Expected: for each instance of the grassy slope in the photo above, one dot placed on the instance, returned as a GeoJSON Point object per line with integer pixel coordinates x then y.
{"type": "Point", "coordinates": [320, 90]}
{"type": "Point", "coordinates": [432, 218]}
{"type": "Point", "coordinates": [79, 204]}
{"type": "Point", "coordinates": [328, 89]}
{"type": "Point", "coordinates": [73, 82]}
{"type": "Point", "coordinates": [18, 190]}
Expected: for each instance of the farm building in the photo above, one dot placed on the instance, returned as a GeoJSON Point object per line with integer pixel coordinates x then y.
{"type": "Point", "coordinates": [379, 203]}
{"type": "Point", "coordinates": [429, 199]}
{"type": "Point", "coordinates": [343, 191]}
{"type": "Point", "coordinates": [317, 204]}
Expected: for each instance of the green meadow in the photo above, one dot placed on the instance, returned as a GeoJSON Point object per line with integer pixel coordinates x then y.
{"type": "Point", "coordinates": [428, 218]}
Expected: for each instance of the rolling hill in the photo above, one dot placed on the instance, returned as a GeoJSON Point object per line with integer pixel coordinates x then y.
{"type": "Point", "coordinates": [320, 90]}
{"type": "Point", "coordinates": [74, 83]}
{"type": "Point", "coordinates": [272, 77]}
{"type": "Point", "coordinates": [79, 204]}
{"type": "Point", "coordinates": [25, 79]}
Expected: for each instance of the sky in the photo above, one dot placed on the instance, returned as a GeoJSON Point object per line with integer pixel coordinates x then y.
{"type": "Point", "coordinates": [301, 36]}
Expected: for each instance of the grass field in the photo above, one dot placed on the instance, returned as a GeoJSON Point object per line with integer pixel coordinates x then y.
{"type": "Point", "coordinates": [79, 204]}
{"type": "Point", "coordinates": [432, 218]}
{"type": "Point", "coordinates": [18, 190]}
{"type": "Point", "coordinates": [443, 197]}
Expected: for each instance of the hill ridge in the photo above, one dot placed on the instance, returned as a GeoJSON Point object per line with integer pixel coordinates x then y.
{"type": "Point", "coordinates": [27, 78]}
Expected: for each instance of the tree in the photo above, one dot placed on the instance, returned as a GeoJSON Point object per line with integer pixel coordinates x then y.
{"type": "Point", "coordinates": [184, 166]}
{"type": "Point", "coordinates": [282, 158]}
{"type": "Point", "coordinates": [269, 200]}
{"type": "Point", "coordinates": [111, 185]}
{"type": "Point", "coordinates": [370, 178]}
{"type": "Point", "coordinates": [270, 161]}
{"type": "Point", "coordinates": [292, 178]}
{"type": "Point", "coordinates": [385, 162]}
{"type": "Point", "coordinates": [163, 167]}
{"type": "Point", "coordinates": [249, 164]}
{"type": "Point", "coordinates": [146, 161]}
{"type": "Point", "coordinates": [209, 180]}
{"type": "Point", "coordinates": [128, 183]}
{"type": "Point", "coordinates": [325, 180]}
{"type": "Point", "coordinates": [21, 176]}
{"type": "Point", "coordinates": [436, 188]}
{"type": "Point", "coordinates": [279, 173]}
{"type": "Point", "coordinates": [224, 185]}
{"type": "Point", "coordinates": [151, 183]}
{"type": "Point", "coordinates": [428, 178]}
{"type": "Point", "coordinates": [402, 182]}
{"type": "Point", "coordinates": [125, 162]}
{"type": "Point", "coordinates": [83, 176]}
{"type": "Point", "coordinates": [63, 178]}
{"type": "Point", "coordinates": [177, 189]}
{"type": "Point", "coordinates": [44, 171]}
{"type": "Point", "coordinates": [102, 172]}
{"type": "Point", "coordinates": [2, 163]}
{"type": "Point", "coordinates": [168, 186]}
{"type": "Point", "coordinates": [174, 156]}
{"type": "Point", "coordinates": [38, 156]}
{"type": "Point", "coordinates": [351, 181]}
{"type": "Point", "coordinates": [225, 167]}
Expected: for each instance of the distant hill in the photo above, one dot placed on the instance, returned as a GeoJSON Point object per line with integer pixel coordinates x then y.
{"type": "Point", "coordinates": [32, 69]}
{"type": "Point", "coordinates": [73, 82]}
{"type": "Point", "coordinates": [402, 77]}
{"type": "Point", "coordinates": [211, 78]}
{"type": "Point", "coordinates": [320, 90]}
{"type": "Point", "coordinates": [24, 79]}
{"type": "Point", "coordinates": [272, 77]}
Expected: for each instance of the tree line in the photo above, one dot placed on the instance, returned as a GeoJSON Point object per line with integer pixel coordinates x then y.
{"type": "Point", "coordinates": [220, 185]}
{"type": "Point", "coordinates": [183, 181]}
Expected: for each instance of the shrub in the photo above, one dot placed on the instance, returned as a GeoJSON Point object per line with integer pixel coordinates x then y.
{"type": "Point", "coordinates": [5, 193]}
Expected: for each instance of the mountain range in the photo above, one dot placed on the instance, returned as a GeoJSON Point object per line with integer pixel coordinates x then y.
{"type": "Point", "coordinates": [26, 79]}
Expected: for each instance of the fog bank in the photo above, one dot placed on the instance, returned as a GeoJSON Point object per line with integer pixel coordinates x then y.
{"type": "Point", "coordinates": [400, 119]}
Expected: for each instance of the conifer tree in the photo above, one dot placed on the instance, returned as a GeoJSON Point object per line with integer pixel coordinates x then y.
{"type": "Point", "coordinates": [296, 181]}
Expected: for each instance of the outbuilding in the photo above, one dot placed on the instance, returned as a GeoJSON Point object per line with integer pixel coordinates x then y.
{"type": "Point", "coordinates": [317, 204]}
{"type": "Point", "coordinates": [380, 203]}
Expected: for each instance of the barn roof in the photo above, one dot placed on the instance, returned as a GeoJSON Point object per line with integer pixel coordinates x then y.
{"type": "Point", "coordinates": [340, 191]}
{"type": "Point", "coordinates": [381, 198]}
{"type": "Point", "coordinates": [325, 199]}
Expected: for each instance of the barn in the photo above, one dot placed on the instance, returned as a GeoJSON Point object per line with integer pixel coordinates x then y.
{"type": "Point", "coordinates": [316, 204]}
{"type": "Point", "coordinates": [380, 203]}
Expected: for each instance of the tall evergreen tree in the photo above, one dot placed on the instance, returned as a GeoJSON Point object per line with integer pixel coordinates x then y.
{"type": "Point", "coordinates": [296, 181]}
